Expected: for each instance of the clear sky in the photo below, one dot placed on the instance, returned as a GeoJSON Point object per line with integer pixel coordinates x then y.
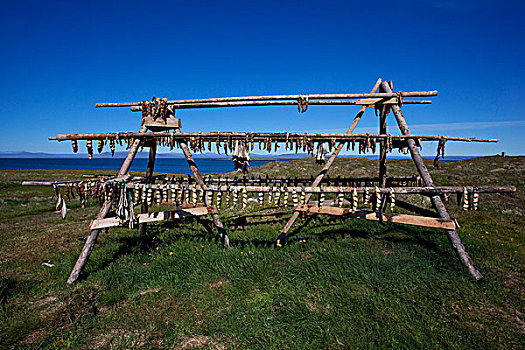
{"type": "Point", "coordinates": [59, 58]}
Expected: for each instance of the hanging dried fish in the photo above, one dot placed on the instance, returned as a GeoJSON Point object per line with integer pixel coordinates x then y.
{"type": "Point", "coordinates": [303, 196]}
{"type": "Point", "coordinates": [112, 146]}
{"type": "Point", "coordinates": [475, 200]}
{"type": "Point", "coordinates": [321, 198]}
{"type": "Point", "coordinates": [150, 196]}
{"type": "Point", "coordinates": [366, 196]}
{"type": "Point", "coordinates": [241, 156]}
{"type": "Point", "coordinates": [235, 196]}
{"type": "Point", "coordinates": [261, 199]}
{"type": "Point", "coordinates": [355, 199]}
{"type": "Point", "coordinates": [89, 146]}
{"type": "Point", "coordinates": [270, 196]}
{"type": "Point", "coordinates": [285, 199]}
{"type": "Point", "coordinates": [201, 195]}
{"type": "Point", "coordinates": [320, 154]}
{"type": "Point", "coordinates": [158, 196]}
{"type": "Point", "coordinates": [276, 196]}
{"type": "Point", "coordinates": [173, 194]}
{"type": "Point", "coordinates": [392, 200]}
{"type": "Point", "coordinates": [209, 198]}
{"type": "Point", "coordinates": [340, 198]}
{"type": "Point", "coordinates": [74, 144]}
{"type": "Point", "coordinates": [186, 194]}
{"type": "Point", "coordinates": [136, 192]}
{"type": "Point", "coordinates": [228, 197]}
{"type": "Point", "coordinates": [219, 199]}
{"type": "Point", "coordinates": [194, 195]}
{"type": "Point", "coordinates": [244, 198]}
{"type": "Point", "coordinates": [294, 197]}
{"type": "Point", "coordinates": [465, 199]}
{"type": "Point", "coordinates": [378, 200]}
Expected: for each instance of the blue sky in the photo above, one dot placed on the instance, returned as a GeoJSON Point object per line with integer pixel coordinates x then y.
{"type": "Point", "coordinates": [60, 58]}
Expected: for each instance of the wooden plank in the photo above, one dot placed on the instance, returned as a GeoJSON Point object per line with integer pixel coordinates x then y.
{"type": "Point", "coordinates": [162, 124]}
{"type": "Point", "coordinates": [98, 224]}
{"type": "Point", "coordinates": [385, 217]}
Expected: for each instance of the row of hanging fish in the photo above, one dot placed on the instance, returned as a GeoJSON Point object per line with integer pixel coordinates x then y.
{"type": "Point", "coordinates": [468, 200]}
{"type": "Point", "coordinates": [194, 195]}
{"type": "Point", "coordinates": [83, 190]}
{"type": "Point", "coordinates": [318, 149]}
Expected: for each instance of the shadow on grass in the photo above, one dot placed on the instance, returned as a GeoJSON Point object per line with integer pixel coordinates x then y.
{"type": "Point", "coordinates": [318, 227]}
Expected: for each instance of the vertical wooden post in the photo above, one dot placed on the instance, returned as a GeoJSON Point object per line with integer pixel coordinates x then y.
{"type": "Point", "coordinates": [104, 210]}
{"type": "Point", "coordinates": [382, 145]}
{"type": "Point", "coordinates": [453, 236]}
{"type": "Point", "coordinates": [149, 174]}
{"type": "Point", "coordinates": [326, 167]}
{"type": "Point", "coordinates": [198, 179]}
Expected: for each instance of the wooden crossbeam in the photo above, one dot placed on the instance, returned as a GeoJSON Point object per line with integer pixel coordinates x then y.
{"type": "Point", "coordinates": [384, 217]}
{"type": "Point", "coordinates": [262, 136]}
{"type": "Point", "coordinates": [291, 99]}
{"type": "Point", "coordinates": [169, 215]}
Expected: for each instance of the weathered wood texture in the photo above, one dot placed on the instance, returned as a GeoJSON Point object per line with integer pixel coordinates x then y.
{"type": "Point", "coordinates": [446, 224]}
{"type": "Point", "coordinates": [360, 102]}
{"type": "Point", "coordinates": [280, 98]}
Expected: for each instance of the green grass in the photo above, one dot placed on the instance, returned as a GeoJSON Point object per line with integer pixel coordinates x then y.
{"type": "Point", "coordinates": [334, 284]}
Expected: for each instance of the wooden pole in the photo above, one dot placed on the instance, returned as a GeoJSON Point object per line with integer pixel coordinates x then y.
{"type": "Point", "coordinates": [149, 175]}
{"type": "Point", "coordinates": [198, 178]}
{"type": "Point", "coordinates": [382, 147]}
{"type": "Point", "coordinates": [278, 98]}
{"type": "Point", "coordinates": [104, 210]}
{"type": "Point", "coordinates": [453, 236]}
{"type": "Point", "coordinates": [275, 136]}
{"type": "Point", "coordinates": [326, 167]}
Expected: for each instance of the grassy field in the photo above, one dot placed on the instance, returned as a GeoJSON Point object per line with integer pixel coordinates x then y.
{"type": "Point", "coordinates": [334, 284]}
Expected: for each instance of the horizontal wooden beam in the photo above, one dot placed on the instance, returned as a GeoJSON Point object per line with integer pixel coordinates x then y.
{"type": "Point", "coordinates": [361, 102]}
{"type": "Point", "coordinates": [154, 217]}
{"type": "Point", "coordinates": [262, 136]}
{"type": "Point", "coordinates": [281, 98]}
{"type": "Point", "coordinates": [384, 217]}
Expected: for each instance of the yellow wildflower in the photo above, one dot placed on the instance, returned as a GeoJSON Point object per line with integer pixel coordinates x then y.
{"type": "Point", "coordinates": [279, 245]}
{"type": "Point", "coordinates": [171, 253]}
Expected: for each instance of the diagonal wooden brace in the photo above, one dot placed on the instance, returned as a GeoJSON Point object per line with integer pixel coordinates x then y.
{"type": "Point", "coordinates": [198, 178]}
{"type": "Point", "coordinates": [453, 236]}
{"type": "Point", "coordinates": [326, 167]}
{"type": "Point", "coordinates": [103, 212]}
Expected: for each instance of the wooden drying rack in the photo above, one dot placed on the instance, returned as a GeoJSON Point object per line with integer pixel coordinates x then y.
{"type": "Point", "coordinates": [160, 127]}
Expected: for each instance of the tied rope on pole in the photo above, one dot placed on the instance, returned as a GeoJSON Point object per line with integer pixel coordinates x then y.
{"type": "Point", "coordinates": [302, 103]}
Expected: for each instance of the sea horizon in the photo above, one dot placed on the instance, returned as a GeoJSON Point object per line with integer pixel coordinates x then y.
{"type": "Point", "coordinates": [162, 165]}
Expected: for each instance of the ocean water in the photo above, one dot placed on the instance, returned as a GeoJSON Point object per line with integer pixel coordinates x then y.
{"type": "Point", "coordinates": [162, 165]}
